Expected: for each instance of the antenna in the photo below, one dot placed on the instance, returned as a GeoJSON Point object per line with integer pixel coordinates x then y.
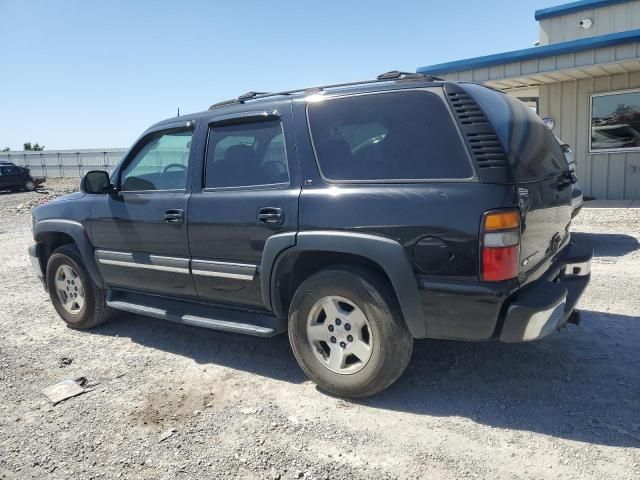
{"type": "Point", "coordinates": [178, 112]}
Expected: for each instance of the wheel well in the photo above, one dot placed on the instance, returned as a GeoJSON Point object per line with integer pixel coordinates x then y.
{"type": "Point", "coordinates": [295, 268]}
{"type": "Point", "coordinates": [50, 241]}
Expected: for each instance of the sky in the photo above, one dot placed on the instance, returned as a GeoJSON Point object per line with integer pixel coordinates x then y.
{"type": "Point", "coordinates": [93, 74]}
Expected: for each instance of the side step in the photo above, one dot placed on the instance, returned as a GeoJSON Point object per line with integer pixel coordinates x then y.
{"type": "Point", "coordinates": [200, 315]}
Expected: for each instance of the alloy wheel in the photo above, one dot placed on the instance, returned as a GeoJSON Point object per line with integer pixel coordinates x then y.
{"type": "Point", "coordinates": [339, 334]}
{"type": "Point", "coordinates": [69, 289]}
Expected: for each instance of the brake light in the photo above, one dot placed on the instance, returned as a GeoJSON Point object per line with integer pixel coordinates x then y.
{"type": "Point", "coordinates": [500, 245]}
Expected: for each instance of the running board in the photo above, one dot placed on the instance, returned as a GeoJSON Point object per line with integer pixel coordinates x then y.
{"type": "Point", "coordinates": [200, 315]}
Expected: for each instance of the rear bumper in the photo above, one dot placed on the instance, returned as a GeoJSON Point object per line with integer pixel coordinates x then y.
{"type": "Point", "coordinates": [505, 311]}
{"type": "Point", "coordinates": [544, 306]}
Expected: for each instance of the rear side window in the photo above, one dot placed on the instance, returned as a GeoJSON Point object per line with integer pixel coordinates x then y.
{"type": "Point", "coordinates": [246, 155]}
{"type": "Point", "coordinates": [389, 136]}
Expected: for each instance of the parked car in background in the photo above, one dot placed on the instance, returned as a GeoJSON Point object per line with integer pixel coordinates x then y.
{"type": "Point", "coordinates": [577, 197]}
{"type": "Point", "coordinates": [612, 137]}
{"type": "Point", "coordinates": [13, 177]}
{"type": "Point", "coordinates": [356, 217]}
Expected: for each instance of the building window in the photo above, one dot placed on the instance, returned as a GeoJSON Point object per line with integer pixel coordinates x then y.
{"type": "Point", "coordinates": [532, 102]}
{"type": "Point", "coordinates": [615, 122]}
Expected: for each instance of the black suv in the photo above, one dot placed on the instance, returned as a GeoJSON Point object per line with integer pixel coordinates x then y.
{"type": "Point", "coordinates": [13, 177]}
{"type": "Point", "coordinates": [356, 216]}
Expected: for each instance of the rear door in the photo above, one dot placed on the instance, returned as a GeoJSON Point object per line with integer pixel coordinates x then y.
{"type": "Point", "coordinates": [246, 190]}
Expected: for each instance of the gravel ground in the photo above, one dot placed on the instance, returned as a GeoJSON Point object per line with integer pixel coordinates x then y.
{"type": "Point", "coordinates": [168, 401]}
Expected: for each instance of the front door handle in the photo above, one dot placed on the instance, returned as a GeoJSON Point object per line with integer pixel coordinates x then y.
{"type": "Point", "coordinates": [270, 216]}
{"type": "Point", "coordinates": [174, 215]}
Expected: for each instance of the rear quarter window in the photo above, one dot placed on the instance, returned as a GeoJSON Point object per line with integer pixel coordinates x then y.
{"type": "Point", "coordinates": [392, 136]}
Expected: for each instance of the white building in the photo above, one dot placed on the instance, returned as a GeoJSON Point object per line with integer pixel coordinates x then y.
{"type": "Point", "coordinates": [584, 76]}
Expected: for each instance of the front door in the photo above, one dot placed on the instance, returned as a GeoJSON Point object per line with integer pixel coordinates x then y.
{"type": "Point", "coordinates": [140, 232]}
{"type": "Point", "coordinates": [247, 191]}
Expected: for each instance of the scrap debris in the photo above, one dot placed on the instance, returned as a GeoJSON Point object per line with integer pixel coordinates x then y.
{"type": "Point", "coordinates": [65, 389]}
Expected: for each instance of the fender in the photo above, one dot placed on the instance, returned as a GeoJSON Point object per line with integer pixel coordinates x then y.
{"type": "Point", "coordinates": [274, 246]}
{"type": "Point", "coordinates": [387, 253]}
{"type": "Point", "coordinates": [77, 232]}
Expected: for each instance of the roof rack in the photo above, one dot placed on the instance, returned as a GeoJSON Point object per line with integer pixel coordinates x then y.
{"type": "Point", "coordinates": [398, 75]}
{"type": "Point", "coordinates": [385, 77]}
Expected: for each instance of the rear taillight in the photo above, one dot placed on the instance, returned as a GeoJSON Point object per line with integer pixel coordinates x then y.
{"type": "Point", "coordinates": [500, 245]}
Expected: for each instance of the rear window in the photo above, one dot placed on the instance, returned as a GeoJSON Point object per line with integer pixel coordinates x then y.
{"type": "Point", "coordinates": [388, 136]}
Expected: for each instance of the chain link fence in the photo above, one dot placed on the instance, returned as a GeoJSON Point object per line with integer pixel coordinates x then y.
{"type": "Point", "coordinates": [66, 163]}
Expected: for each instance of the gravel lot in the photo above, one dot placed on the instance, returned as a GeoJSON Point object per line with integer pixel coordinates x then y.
{"type": "Point", "coordinates": [168, 401]}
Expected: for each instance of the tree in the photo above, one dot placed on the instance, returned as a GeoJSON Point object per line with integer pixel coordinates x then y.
{"type": "Point", "coordinates": [5, 149]}
{"type": "Point", "coordinates": [33, 148]}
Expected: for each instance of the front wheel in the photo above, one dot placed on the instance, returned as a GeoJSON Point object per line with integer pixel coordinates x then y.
{"type": "Point", "coordinates": [29, 185]}
{"type": "Point", "coordinates": [78, 301]}
{"type": "Point", "coordinates": [347, 332]}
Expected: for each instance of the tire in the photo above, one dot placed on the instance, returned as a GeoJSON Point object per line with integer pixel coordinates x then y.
{"type": "Point", "coordinates": [29, 185]}
{"type": "Point", "coordinates": [385, 334]}
{"type": "Point", "coordinates": [65, 268]}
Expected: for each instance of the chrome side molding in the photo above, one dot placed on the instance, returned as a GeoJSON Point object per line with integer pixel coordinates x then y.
{"type": "Point", "coordinates": [210, 268]}
{"type": "Point", "coordinates": [205, 268]}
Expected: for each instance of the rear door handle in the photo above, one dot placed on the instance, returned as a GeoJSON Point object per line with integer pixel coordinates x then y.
{"type": "Point", "coordinates": [174, 215]}
{"type": "Point", "coordinates": [270, 216]}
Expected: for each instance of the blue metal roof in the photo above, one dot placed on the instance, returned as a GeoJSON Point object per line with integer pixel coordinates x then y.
{"type": "Point", "coordinates": [574, 7]}
{"type": "Point", "coordinates": [573, 46]}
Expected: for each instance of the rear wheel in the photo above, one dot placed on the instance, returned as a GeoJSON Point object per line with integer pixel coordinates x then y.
{"type": "Point", "coordinates": [78, 301]}
{"type": "Point", "coordinates": [347, 332]}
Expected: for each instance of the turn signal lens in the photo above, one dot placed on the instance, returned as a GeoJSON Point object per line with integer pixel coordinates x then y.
{"type": "Point", "coordinates": [501, 220]}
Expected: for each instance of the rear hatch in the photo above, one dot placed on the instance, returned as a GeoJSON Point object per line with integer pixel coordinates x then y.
{"type": "Point", "coordinates": [531, 159]}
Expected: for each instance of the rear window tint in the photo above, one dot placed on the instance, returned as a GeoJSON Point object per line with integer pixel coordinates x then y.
{"type": "Point", "coordinates": [388, 136]}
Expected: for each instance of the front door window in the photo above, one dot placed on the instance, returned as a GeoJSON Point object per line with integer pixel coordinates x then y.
{"type": "Point", "coordinates": [160, 163]}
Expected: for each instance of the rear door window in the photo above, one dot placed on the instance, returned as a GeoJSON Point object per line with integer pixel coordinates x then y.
{"type": "Point", "coordinates": [246, 155]}
{"type": "Point", "coordinates": [392, 136]}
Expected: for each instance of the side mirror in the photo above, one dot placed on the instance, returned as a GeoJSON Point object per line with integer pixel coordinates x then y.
{"type": "Point", "coordinates": [95, 182]}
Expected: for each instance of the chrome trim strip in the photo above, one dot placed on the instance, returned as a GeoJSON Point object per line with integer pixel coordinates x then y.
{"type": "Point", "coordinates": [212, 268]}
{"type": "Point", "coordinates": [205, 268]}
{"type": "Point", "coordinates": [147, 266]}
{"type": "Point", "coordinates": [145, 261]}
{"type": "Point", "coordinates": [237, 276]}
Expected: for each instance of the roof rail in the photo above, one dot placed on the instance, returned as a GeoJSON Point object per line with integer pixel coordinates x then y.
{"type": "Point", "coordinates": [393, 75]}
{"type": "Point", "coordinates": [398, 75]}
{"type": "Point", "coordinates": [249, 95]}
